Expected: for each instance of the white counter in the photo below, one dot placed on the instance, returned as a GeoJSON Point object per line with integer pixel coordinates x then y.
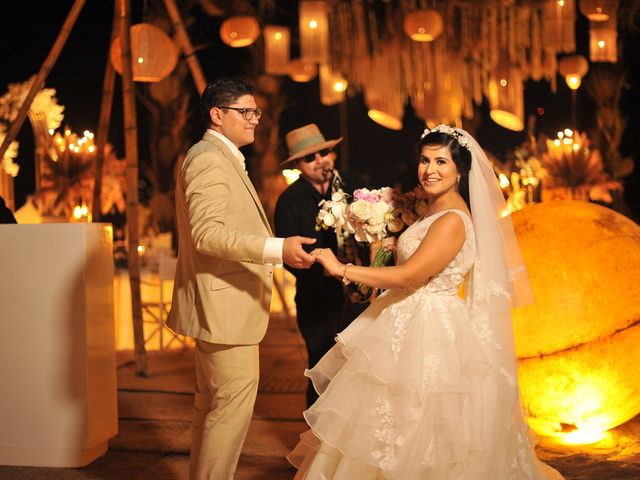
{"type": "Point", "coordinates": [58, 403]}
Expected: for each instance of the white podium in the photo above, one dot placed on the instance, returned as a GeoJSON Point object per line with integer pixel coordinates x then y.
{"type": "Point", "coordinates": [58, 404]}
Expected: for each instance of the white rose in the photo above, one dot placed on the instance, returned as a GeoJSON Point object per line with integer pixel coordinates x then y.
{"type": "Point", "coordinates": [375, 228]}
{"type": "Point", "coordinates": [361, 210]}
{"type": "Point", "coordinates": [387, 194]}
{"type": "Point", "coordinates": [380, 208]}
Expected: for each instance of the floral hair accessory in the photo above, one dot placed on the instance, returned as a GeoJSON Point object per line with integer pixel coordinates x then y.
{"type": "Point", "coordinates": [451, 131]}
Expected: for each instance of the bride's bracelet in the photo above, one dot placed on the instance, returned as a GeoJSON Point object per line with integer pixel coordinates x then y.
{"type": "Point", "coordinates": [345, 280]}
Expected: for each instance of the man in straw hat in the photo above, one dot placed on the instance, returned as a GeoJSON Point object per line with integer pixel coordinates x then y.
{"type": "Point", "coordinates": [223, 281]}
{"type": "Point", "coordinates": [320, 301]}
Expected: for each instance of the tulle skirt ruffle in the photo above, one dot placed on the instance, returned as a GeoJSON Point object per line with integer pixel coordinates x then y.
{"type": "Point", "coordinates": [404, 395]}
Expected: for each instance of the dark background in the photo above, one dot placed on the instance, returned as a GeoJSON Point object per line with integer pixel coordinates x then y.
{"type": "Point", "coordinates": [383, 156]}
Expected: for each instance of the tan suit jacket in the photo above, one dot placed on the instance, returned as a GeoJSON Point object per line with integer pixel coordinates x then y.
{"type": "Point", "coordinates": [222, 291]}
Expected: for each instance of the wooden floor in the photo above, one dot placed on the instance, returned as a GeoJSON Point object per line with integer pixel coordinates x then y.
{"type": "Point", "coordinates": [155, 412]}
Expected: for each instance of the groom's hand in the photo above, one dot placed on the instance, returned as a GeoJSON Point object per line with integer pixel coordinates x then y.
{"type": "Point", "coordinates": [293, 254]}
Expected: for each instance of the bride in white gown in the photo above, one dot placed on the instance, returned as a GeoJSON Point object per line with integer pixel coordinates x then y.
{"type": "Point", "coordinates": [423, 385]}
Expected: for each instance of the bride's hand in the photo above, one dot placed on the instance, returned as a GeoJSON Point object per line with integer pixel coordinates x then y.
{"type": "Point", "coordinates": [328, 260]}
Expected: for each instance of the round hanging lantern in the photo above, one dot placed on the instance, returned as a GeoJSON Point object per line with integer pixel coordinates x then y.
{"type": "Point", "coordinates": [577, 345]}
{"type": "Point", "coordinates": [506, 96]}
{"type": "Point", "coordinates": [423, 25]}
{"type": "Point", "coordinates": [240, 31]}
{"type": "Point", "coordinates": [302, 71]}
{"type": "Point", "coordinates": [573, 68]}
{"type": "Point", "coordinates": [153, 53]}
{"type": "Point", "coordinates": [598, 10]}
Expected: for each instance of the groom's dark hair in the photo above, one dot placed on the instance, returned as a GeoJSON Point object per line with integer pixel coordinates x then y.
{"type": "Point", "coordinates": [222, 92]}
{"type": "Point", "coordinates": [461, 157]}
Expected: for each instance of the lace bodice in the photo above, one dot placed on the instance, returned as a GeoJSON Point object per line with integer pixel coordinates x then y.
{"type": "Point", "coordinates": [448, 281]}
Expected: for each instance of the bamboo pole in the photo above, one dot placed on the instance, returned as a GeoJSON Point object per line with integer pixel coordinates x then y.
{"type": "Point", "coordinates": [6, 189]}
{"type": "Point", "coordinates": [105, 120]}
{"type": "Point", "coordinates": [38, 82]}
{"type": "Point", "coordinates": [186, 47]}
{"type": "Point", "coordinates": [131, 149]}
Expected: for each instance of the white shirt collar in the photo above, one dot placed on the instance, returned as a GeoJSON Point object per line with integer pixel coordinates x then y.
{"type": "Point", "coordinates": [234, 150]}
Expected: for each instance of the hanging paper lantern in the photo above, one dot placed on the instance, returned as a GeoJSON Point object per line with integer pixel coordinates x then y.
{"type": "Point", "coordinates": [573, 68]}
{"type": "Point", "coordinates": [577, 345]}
{"type": "Point", "coordinates": [558, 25]}
{"type": "Point", "coordinates": [506, 96]}
{"type": "Point", "coordinates": [603, 43]}
{"type": "Point", "coordinates": [314, 31]}
{"type": "Point", "coordinates": [423, 25]}
{"type": "Point", "coordinates": [302, 71]}
{"type": "Point", "coordinates": [332, 86]}
{"type": "Point", "coordinates": [598, 10]}
{"type": "Point", "coordinates": [276, 49]}
{"type": "Point", "coordinates": [240, 31]}
{"type": "Point", "coordinates": [153, 53]}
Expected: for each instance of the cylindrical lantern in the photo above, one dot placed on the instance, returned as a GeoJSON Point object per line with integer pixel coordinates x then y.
{"type": "Point", "coordinates": [577, 345]}
{"type": "Point", "coordinates": [603, 42]}
{"type": "Point", "coordinates": [506, 96]}
{"type": "Point", "coordinates": [302, 71]}
{"type": "Point", "coordinates": [573, 68]}
{"type": "Point", "coordinates": [598, 10]}
{"type": "Point", "coordinates": [332, 86]}
{"type": "Point", "coordinates": [558, 25]}
{"type": "Point", "coordinates": [423, 25]}
{"type": "Point", "coordinates": [314, 31]}
{"type": "Point", "coordinates": [153, 53]}
{"type": "Point", "coordinates": [240, 31]}
{"type": "Point", "coordinates": [384, 109]}
{"type": "Point", "coordinates": [276, 49]}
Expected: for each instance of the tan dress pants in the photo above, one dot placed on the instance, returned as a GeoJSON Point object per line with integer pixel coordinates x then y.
{"type": "Point", "coordinates": [226, 386]}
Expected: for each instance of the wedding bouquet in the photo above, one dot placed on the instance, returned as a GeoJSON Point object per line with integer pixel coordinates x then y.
{"type": "Point", "coordinates": [371, 216]}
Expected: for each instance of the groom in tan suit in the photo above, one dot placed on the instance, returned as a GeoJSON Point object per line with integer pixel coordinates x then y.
{"type": "Point", "coordinates": [223, 280]}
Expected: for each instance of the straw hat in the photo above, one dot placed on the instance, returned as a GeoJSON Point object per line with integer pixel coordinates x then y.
{"type": "Point", "coordinates": [305, 140]}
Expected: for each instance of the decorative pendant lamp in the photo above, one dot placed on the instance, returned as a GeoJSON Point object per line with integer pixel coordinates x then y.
{"type": "Point", "coordinates": [598, 10]}
{"type": "Point", "coordinates": [240, 31]}
{"type": "Point", "coordinates": [423, 25]}
{"type": "Point", "coordinates": [603, 41]}
{"type": "Point", "coordinates": [153, 53]}
{"type": "Point", "coordinates": [558, 24]}
{"type": "Point", "coordinates": [314, 31]}
{"type": "Point", "coordinates": [302, 71]}
{"type": "Point", "coordinates": [332, 86]}
{"type": "Point", "coordinates": [276, 49]}
{"type": "Point", "coordinates": [573, 68]}
{"type": "Point", "coordinates": [506, 97]}
{"type": "Point", "coordinates": [382, 115]}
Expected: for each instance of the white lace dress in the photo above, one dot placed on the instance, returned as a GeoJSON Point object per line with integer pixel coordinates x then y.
{"type": "Point", "coordinates": [401, 394]}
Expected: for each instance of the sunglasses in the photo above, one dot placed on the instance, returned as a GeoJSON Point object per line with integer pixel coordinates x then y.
{"type": "Point", "coordinates": [312, 156]}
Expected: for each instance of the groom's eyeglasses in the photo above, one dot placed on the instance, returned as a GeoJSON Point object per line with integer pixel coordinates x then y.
{"type": "Point", "coordinates": [312, 156]}
{"type": "Point", "coordinates": [247, 113]}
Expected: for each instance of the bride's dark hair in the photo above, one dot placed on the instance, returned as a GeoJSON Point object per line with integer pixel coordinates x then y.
{"type": "Point", "coordinates": [461, 157]}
